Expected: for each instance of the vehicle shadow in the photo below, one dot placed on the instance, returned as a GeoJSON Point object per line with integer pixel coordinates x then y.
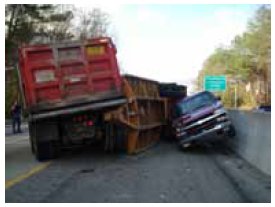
{"type": "Point", "coordinates": [207, 148]}
{"type": "Point", "coordinates": [89, 152]}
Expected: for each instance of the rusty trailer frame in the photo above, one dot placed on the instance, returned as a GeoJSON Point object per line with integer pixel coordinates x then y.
{"type": "Point", "coordinates": [143, 116]}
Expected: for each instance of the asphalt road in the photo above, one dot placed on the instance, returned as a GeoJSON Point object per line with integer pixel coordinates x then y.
{"type": "Point", "coordinates": [18, 157]}
{"type": "Point", "coordinates": [161, 174]}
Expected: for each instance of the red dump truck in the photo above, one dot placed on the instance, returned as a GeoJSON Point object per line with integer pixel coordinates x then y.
{"type": "Point", "coordinates": [75, 95]}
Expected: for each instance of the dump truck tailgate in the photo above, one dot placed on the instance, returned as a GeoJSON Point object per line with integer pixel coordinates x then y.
{"type": "Point", "coordinates": [62, 74]}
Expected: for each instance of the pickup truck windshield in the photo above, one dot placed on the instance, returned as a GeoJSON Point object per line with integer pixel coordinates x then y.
{"type": "Point", "coordinates": [194, 103]}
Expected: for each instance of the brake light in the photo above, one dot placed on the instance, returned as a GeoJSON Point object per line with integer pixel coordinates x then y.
{"type": "Point", "coordinates": [90, 123]}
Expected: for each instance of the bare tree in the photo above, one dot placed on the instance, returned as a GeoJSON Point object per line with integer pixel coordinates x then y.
{"type": "Point", "coordinates": [92, 24]}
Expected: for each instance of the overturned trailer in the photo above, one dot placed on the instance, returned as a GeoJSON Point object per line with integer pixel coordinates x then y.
{"type": "Point", "coordinates": [142, 116]}
{"type": "Point", "coordinates": [75, 95]}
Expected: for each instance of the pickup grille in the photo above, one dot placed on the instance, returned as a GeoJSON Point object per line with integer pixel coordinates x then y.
{"type": "Point", "coordinates": [204, 126]}
{"type": "Point", "coordinates": [202, 117]}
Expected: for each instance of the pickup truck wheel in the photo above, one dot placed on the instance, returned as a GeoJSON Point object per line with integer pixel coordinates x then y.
{"type": "Point", "coordinates": [232, 131]}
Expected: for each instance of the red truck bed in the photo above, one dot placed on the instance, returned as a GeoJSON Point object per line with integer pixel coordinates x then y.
{"type": "Point", "coordinates": [65, 74]}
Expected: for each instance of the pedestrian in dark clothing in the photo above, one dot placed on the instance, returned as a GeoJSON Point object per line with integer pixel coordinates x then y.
{"type": "Point", "coordinates": [16, 117]}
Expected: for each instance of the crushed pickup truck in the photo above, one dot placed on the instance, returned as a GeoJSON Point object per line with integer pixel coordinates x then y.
{"type": "Point", "coordinates": [200, 117]}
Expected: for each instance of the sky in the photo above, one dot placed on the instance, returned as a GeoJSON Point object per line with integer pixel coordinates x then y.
{"type": "Point", "coordinates": [169, 43]}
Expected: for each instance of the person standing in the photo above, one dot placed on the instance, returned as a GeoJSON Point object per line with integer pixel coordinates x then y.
{"type": "Point", "coordinates": [16, 117]}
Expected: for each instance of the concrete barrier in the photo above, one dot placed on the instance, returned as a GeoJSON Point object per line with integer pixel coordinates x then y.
{"type": "Point", "coordinates": [253, 139]}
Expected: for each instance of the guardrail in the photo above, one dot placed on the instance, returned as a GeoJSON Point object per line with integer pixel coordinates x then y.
{"type": "Point", "coordinates": [253, 140]}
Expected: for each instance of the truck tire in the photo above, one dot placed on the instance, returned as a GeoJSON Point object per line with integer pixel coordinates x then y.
{"type": "Point", "coordinates": [45, 151]}
{"type": "Point", "coordinates": [31, 136]}
{"type": "Point", "coordinates": [42, 149]}
{"type": "Point", "coordinates": [32, 146]}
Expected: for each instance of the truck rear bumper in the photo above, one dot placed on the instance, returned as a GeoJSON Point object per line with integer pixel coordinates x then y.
{"type": "Point", "coordinates": [207, 134]}
{"type": "Point", "coordinates": [71, 110]}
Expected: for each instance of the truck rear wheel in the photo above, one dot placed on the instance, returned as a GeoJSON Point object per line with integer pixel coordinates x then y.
{"type": "Point", "coordinates": [43, 139]}
{"type": "Point", "coordinates": [45, 151]}
{"type": "Point", "coordinates": [31, 136]}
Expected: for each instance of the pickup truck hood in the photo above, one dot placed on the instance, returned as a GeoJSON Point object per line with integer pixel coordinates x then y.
{"type": "Point", "coordinates": [202, 112]}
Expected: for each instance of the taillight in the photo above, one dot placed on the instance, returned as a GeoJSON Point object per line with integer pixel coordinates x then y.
{"type": "Point", "coordinates": [90, 123]}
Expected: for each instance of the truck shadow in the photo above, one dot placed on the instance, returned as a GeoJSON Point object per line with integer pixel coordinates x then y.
{"type": "Point", "coordinates": [90, 151]}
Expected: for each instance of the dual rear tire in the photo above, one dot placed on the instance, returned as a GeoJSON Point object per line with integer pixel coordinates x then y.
{"type": "Point", "coordinates": [41, 148]}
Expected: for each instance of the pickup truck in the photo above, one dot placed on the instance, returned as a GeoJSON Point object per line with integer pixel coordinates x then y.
{"type": "Point", "coordinates": [200, 117]}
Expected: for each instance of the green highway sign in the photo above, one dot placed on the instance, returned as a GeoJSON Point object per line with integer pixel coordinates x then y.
{"type": "Point", "coordinates": [215, 83]}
